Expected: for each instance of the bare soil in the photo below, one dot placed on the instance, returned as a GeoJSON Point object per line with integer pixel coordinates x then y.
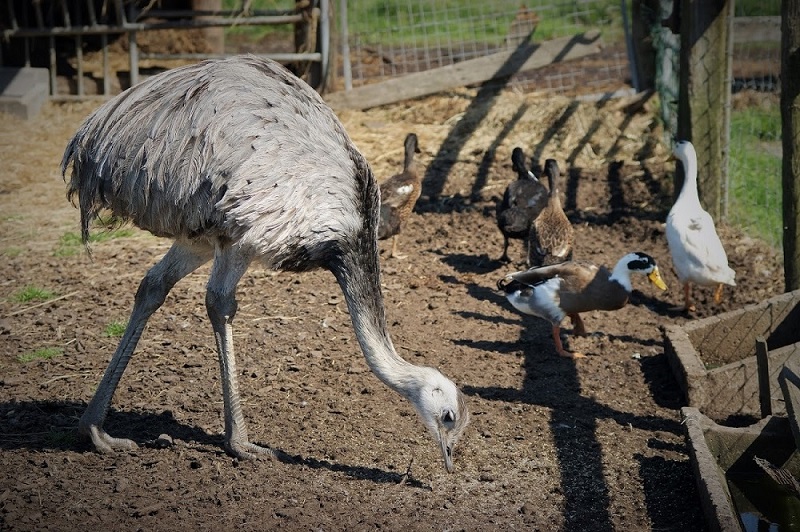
{"type": "Point", "coordinates": [554, 444]}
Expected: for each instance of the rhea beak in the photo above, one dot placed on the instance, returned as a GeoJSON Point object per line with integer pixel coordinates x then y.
{"type": "Point", "coordinates": [655, 278]}
{"type": "Point", "coordinates": [447, 452]}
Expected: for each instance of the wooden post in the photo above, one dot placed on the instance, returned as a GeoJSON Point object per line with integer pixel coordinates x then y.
{"type": "Point", "coordinates": [762, 367]}
{"type": "Point", "coordinates": [790, 129]}
{"type": "Point", "coordinates": [214, 37]}
{"type": "Point", "coordinates": [645, 14]}
{"type": "Point", "coordinates": [705, 94]}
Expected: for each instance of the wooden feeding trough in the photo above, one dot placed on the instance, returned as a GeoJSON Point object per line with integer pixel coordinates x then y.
{"type": "Point", "coordinates": [735, 493]}
{"type": "Point", "coordinates": [747, 477]}
{"type": "Point", "coordinates": [716, 359]}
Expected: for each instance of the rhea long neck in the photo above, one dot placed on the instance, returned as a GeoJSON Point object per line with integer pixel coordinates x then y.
{"type": "Point", "coordinates": [358, 274]}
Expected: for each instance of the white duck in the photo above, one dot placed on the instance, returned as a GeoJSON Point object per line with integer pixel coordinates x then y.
{"type": "Point", "coordinates": [697, 252]}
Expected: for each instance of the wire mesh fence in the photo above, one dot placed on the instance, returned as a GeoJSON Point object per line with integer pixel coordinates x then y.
{"type": "Point", "coordinates": [752, 191]}
{"type": "Point", "coordinates": [754, 170]}
{"type": "Point", "coordinates": [389, 38]}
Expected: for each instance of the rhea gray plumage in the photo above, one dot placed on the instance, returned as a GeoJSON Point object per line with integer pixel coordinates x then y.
{"type": "Point", "coordinates": [238, 160]}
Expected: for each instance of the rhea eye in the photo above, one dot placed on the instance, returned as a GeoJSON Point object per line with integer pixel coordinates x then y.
{"type": "Point", "coordinates": [448, 416]}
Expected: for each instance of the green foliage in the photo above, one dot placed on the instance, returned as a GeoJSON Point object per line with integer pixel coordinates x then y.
{"type": "Point", "coordinates": [256, 33]}
{"type": "Point", "coordinates": [70, 243]}
{"type": "Point", "coordinates": [43, 353]}
{"type": "Point", "coordinates": [755, 172]}
{"type": "Point", "coordinates": [33, 293]}
{"type": "Point", "coordinates": [757, 8]}
{"type": "Point", "coordinates": [115, 328]}
{"type": "Point", "coordinates": [400, 22]}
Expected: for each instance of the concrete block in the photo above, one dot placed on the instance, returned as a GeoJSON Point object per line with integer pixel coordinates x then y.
{"type": "Point", "coordinates": [23, 91]}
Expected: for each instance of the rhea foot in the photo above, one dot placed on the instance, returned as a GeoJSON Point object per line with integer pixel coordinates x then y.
{"type": "Point", "coordinates": [244, 450]}
{"type": "Point", "coordinates": [104, 443]}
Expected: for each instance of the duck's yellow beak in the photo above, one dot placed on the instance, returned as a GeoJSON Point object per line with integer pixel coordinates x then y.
{"type": "Point", "coordinates": [656, 279]}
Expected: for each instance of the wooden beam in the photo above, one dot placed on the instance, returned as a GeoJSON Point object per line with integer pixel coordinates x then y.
{"type": "Point", "coordinates": [790, 133]}
{"type": "Point", "coordinates": [756, 29]}
{"type": "Point", "coordinates": [762, 366]}
{"type": "Point", "coordinates": [472, 71]}
{"type": "Point", "coordinates": [705, 95]}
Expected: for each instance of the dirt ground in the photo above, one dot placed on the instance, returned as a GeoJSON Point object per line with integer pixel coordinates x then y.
{"type": "Point", "coordinates": [554, 444]}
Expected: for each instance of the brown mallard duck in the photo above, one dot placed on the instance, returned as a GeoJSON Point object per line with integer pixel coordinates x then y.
{"type": "Point", "coordinates": [551, 236]}
{"type": "Point", "coordinates": [569, 288]}
{"type": "Point", "coordinates": [399, 194]}
{"type": "Point", "coordinates": [522, 201]}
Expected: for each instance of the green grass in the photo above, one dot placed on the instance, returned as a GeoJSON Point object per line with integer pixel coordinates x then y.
{"type": "Point", "coordinates": [755, 172]}
{"type": "Point", "coordinates": [33, 293]}
{"type": "Point", "coordinates": [115, 329]}
{"type": "Point", "coordinates": [70, 242]}
{"type": "Point", "coordinates": [43, 353]}
{"type": "Point", "coordinates": [256, 33]}
{"type": "Point", "coordinates": [399, 22]}
{"type": "Point", "coordinates": [757, 8]}
{"type": "Point", "coordinates": [12, 252]}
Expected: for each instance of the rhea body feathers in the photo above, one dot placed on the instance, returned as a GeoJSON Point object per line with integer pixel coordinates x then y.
{"type": "Point", "coordinates": [238, 160]}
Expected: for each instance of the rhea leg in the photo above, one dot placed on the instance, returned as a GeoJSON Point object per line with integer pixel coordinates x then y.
{"type": "Point", "coordinates": [179, 261]}
{"type": "Point", "coordinates": [229, 266]}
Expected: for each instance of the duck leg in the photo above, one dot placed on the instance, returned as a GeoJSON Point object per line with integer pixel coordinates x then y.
{"type": "Point", "coordinates": [687, 298]}
{"type": "Point", "coordinates": [560, 347]}
{"type": "Point", "coordinates": [578, 327]}
{"type": "Point", "coordinates": [393, 252]}
{"type": "Point", "coordinates": [504, 257]}
{"type": "Point", "coordinates": [718, 294]}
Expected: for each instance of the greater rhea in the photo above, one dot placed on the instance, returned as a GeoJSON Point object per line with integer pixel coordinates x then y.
{"type": "Point", "coordinates": [237, 160]}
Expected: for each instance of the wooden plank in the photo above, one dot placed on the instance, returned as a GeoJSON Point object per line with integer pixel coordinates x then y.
{"type": "Point", "coordinates": [472, 71]}
{"type": "Point", "coordinates": [790, 132]}
{"type": "Point", "coordinates": [764, 392]}
{"type": "Point", "coordinates": [756, 29]}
